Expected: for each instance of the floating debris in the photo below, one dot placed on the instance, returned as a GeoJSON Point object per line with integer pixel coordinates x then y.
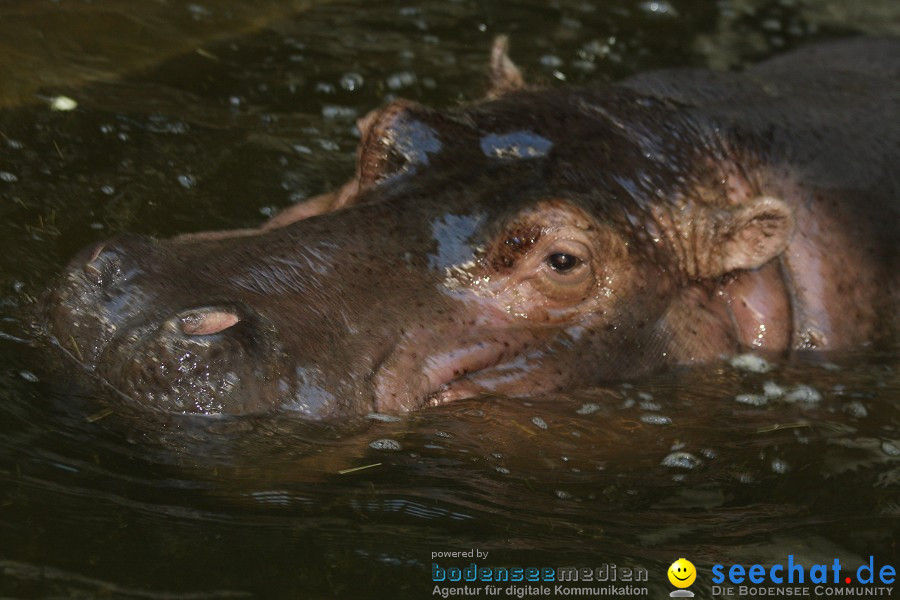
{"type": "Point", "coordinates": [355, 469]}
{"type": "Point", "coordinates": [772, 390]}
{"type": "Point", "coordinates": [803, 393]}
{"type": "Point", "coordinates": [539, 422]}
{"type": "Point", "coordinates": [656, 420]}
{"type": "Point", "coordinates": [751, 399]}
{"type": "Point", "coordinates": [382, 417]}
{"type": "Point", "coordinates": [28, 376]}
{"type": "Point", "coordinates": [779, 466]}
{"type": "Point", "coordinates": [385, 444]}
{"type": "Point", "coordinates": [99, 415]}
{"type": "Point", "coordinates": [63, 104]}
{"type": "Point", "coordinates": [681, 460]}
{"type": "Point", "coordinates": [751, 363]}
{"type": "Point", "coordinates": [857, 409]}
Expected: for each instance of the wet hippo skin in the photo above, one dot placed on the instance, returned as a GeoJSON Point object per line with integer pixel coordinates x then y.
{"type": "Point", "coordinates": [536, 240]}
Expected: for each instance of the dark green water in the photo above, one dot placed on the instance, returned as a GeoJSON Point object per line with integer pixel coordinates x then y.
{"type": "Point", "coordinates": [209, 115]}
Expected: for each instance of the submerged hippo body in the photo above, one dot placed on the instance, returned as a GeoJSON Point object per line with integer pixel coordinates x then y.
{"type": "Point", "coordinates": [537, 240]}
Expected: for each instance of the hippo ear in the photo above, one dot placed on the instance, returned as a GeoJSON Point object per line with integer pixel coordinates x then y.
{"type": "Point", "coordinates": [759, 232]}
{"type": "Point", "coordinates": [395, 140]}
{"type": "Point", "coordinates": [505, 75]}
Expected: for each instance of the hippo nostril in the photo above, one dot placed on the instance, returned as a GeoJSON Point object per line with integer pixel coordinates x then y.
{"type": "Point", "coordinates": [96, 253]}
{"type": "Point", "coordinates": [94, 272]}
{"type": "Point", "coordinates": [102, 268]}
{"type": "Point", "coordinates": [207, 322]}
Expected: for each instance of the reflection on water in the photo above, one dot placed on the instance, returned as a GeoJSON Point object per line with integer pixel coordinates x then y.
{"type": "Point", "coordinates": [245, 111]}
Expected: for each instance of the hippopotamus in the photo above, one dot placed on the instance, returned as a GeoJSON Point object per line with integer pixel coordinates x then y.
{"type": "Point", "coordinates": [534, 240]}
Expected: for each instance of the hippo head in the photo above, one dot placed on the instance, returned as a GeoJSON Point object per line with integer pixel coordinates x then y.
{"type": "Point", "coordinates": [515, 247]}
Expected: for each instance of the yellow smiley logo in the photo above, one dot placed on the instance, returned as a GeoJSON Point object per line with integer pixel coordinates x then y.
{"type": "Point", "coordinates": [682, 573]}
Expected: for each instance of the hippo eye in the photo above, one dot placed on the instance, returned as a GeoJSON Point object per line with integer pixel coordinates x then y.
{"type": "Point", "coordinates": [562, 262]}
{"type": "Point", "coordinates": [565, 270]}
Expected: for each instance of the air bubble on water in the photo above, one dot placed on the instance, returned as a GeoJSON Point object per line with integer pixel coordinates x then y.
{"type": "Point", "coordinates": [772, 390]}
{"type": "Point", "coordinates": [330, 111]}
{"type": "Point", "coordinates": [328, 145]}
{"type": "Point", "coordinates": [656, 420]}
{"type": "Point", "coordinates": [502, 470]}
{"type": "Point", "coordinates": [63, 104]}
{"type": "Point", "coordinates": [645, 395]}
{"type": "Point", "coordinates": [751, 399]}
{"type": "Point", "coordinates": [681, 460]}
{"type": "Point", "coordinates": [18, 286]}
{"type": "Point", "coordinates": [400, 80]}
{"type": "Point", "coordinates": [325, 88]}
{"type": "Point", "coordinates": [108, 190]}
{"type": "Point", "coordinates": [552, 61]}
{"type": "Point", "coordinates": [779, 466]}
{"type": "Point", "coordinates": [28, 376]}
{"type": "Point", "coordinates": [301, 149]}
{"type": "Point", "coordinates": [235, 101]}
{"type": "Point", "coordinates": [647, 405]}
{"type": "Point", "coordinates": [890, 449]}
{"type": "Point", "coordinates": [385, 444]}
{"type": "Point", "coordinates": [583, 65]}
{"type": "Point", "coordinates": [443, 434]}
{"type": "Point", "coordinates": [539, 422]}
{"type": "Point", "coordinates": [751, 363]}
{"type": "Point", "coordinates": [658, 7]}
{"type": "Point", "coordinates": [497, 455]}
{"type": "Point", "coordinates": [198, 11]}
{"type": "Point", "coordinates": [382, 417]}
{"type": "Point", "coordinates": [857, 409]}
{"type": "Point", "coordinates": [14, 144]}
{"type": "Point", "coordinates": [803, 393]}
{"type": "Point", "coordinates": [96, 226]}
{"type": "Point", "coordinates": [351, 81]}
{"type": "Point", "coordinates": [187, 181]}
{"type": "Point", "coordinates": [563, 495]}
{"type": "Point", "coordinates": [8, 177]}
{"type": "Point", "coordinates": [709, 453]}
{"type": "Point", "coordinates": [588, 409]}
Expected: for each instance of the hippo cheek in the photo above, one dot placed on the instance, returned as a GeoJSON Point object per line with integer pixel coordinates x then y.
{"type": "Point", "coordinates": [203, 361]}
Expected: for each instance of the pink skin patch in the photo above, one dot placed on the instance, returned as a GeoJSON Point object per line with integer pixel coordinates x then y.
{"type": "Point", "coordinates": [208, 323]}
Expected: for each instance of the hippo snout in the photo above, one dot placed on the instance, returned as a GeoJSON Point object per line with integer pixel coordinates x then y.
{"type": "Point", "coordinates": [151, 339]}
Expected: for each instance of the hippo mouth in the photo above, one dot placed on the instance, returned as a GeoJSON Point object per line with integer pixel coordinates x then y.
{"type": "Point", "coordinates": [488, 363]}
